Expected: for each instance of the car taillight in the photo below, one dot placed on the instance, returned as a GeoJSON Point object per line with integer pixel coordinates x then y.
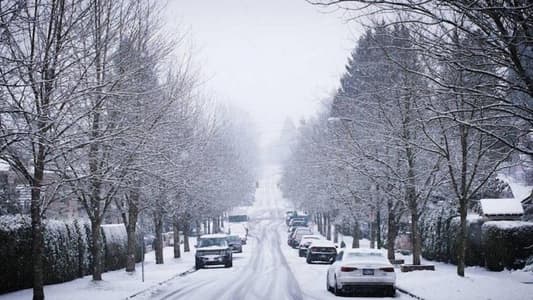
{"type": "Point", "coordinates": [348, 269]}
{"type": "Point", "coordinates": [388, 269]}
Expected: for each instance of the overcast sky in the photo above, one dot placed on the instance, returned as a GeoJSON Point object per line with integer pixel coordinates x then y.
{"type": "Point", "coordinates": [272, 58]}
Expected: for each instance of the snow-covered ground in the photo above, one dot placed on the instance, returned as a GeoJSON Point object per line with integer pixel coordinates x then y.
{"type": "Point", "coordinates": [116, 284]}
{"type": "Point", "coordinates": [269, 269]}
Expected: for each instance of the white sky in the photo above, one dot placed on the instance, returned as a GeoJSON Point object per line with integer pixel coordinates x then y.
{"type": "Point", "coordinates": [271, 58]}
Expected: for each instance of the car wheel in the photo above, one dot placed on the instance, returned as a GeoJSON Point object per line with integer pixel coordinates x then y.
{"type": "Point", "coordinates": [336, 290]}
{"type": "Point", "coordinates": [229, 264]}
{"type": "Point", "coordinates": [198, 265]}
{"type": "Point", "coordinates": [308, 260]}
{"type": "Point", "coordinates": [300, 254]}
{"type": "Point", "coordinates": [390, 292]}
{"type": "Point", "coordinates": [328, 287]}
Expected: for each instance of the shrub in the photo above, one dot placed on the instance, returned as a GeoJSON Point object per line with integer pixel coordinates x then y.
{"type": "Point", "coordinates": [66, 251]}
{"type": "Point", "coordinates": [506, 244]}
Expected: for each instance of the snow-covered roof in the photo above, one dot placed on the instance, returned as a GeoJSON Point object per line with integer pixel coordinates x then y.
{"type": "Point", "coordinates": [520, 190]}
{"type": "Point", "coordinates": [504, 206]}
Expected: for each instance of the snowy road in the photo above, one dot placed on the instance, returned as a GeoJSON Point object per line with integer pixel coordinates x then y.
{"type": "Point", "coordinates": [268, 268]}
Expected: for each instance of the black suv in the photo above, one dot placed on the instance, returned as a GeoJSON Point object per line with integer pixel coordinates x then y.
{"type": "Point", "coordinates": [213, 249]}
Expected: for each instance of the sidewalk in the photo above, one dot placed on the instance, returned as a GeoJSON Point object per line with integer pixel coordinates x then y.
{"type": "Point", "coordinates": [116, 284]}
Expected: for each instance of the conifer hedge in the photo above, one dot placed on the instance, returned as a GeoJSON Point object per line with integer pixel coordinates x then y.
{"type": "Point", "coordinates": [67, 251]}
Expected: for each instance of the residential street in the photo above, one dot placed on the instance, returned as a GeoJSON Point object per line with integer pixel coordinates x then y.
{"type": "Point", "coordinates": [268, 268]}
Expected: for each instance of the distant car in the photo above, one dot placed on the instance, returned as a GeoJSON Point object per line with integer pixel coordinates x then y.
{"type": "Point", "coordinates": [305, 242]}
{"type": "Point", "coordinates": [289, 215]}
{"type": "Point", "coordinates": [298, 221]}
{"type": "Point", "coordinates": [213, 249]}
{"type": "Point", "coordinates": [296, 236]}
{"type": "Point", "coordinates": [359, 268]}
{"type": "Point", "coordinates": [321, 250]}
{"type": "Point", "coordinates": [240, 229]}
{"type": "Point", "coordinates": [235, 243]}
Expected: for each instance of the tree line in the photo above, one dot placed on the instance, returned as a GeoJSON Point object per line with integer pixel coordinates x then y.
{"type": "Point", "coordinates": [97, 106]}
{"type": "Point", "coordinates": [435, 102]}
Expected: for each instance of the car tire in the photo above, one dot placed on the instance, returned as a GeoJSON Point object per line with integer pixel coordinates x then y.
{"type": "Point", "coordinates": [336, 290]}
{"type": "Point", "coordinates": [308, 260]}
{"type": "Point", "coordinates": [390, 291]}
{"type": "Point", "coordinates": [328, 287]}
{"type": "Point", "coordinates": [229, 264]}
{"type": "Point", "coordinates": [300, 254]}
{"type": "Point", "coordinates": [198, 265]}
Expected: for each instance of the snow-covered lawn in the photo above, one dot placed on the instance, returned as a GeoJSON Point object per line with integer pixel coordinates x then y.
{"type": "Point", "coordinates": [116, 284]}
{"type": "Point", "coordinates": [479, 283]}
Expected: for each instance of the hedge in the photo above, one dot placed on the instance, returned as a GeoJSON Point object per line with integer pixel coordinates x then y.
{"type": "Point", "coordinates": [67, 253]}
{"type": "Point", "coordinates": [495, 244]}
{"type": "Point", "coordinates": [506, 244]}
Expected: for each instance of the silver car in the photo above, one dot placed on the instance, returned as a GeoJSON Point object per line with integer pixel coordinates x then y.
{"type": "Point", "coordinates": [361, 269]}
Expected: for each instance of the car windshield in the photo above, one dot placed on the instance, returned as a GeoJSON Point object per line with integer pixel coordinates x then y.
{"type": "Point", "coordinates": [208, 242]}
{"type": "Point", "coordinates": [234, 238]}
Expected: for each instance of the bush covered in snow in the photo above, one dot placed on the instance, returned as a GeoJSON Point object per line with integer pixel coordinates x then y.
{"type": "Point", "coordinates": [506, 244]}
{"type": "Point", "coordinates": [439, 238]}
{"type": "Point", "coordinates": [67, 251]}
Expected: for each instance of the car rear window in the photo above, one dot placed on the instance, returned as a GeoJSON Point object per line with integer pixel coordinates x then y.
{"type": "Point", "coordinates": [324, 249]}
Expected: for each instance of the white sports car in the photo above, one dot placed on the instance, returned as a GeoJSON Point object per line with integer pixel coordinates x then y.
{"type": "Point", "coordinates": [361, 269]}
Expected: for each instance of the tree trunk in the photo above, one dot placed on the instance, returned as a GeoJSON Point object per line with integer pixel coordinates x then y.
{"type": "Point", "coordinates": [415, 237]}
{"type": "Point", "coordinates": [158, 222]}
{"type": "Point", "coordinates": [216, 229]}
{"type": "Point", "coordinates": [176, 229]}
{"type": "Point", "coordinates": [328, 227]}
{"type": "Point", "coordinates": [186, 229]}
{"type": "Point", "coordinates": [462, 238]}
{"type": "Point", "coordinates": [392, 231]}
{"type": "Point", "coordinates": [198, 228]}
{"type": "Point", "coordinates": [96, 248]}
{"type": "Point", "coordinates": [37, 234]}
{"type": "Point", "coordinates": [336, 233]}
{"type": "Point", "coordinates": [131, 229]}
{"type": "Point", "coordinates": [355, 242]}
{"type": "Point", "coordinates": [378, 229]}
{"type": "Point", "coordinates": [319, 223]}
{"type": "Point", "coordinates": [372, 234]}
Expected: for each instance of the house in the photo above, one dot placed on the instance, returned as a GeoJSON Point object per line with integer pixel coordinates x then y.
{"type": "Point", "coordinates": [501, 209]}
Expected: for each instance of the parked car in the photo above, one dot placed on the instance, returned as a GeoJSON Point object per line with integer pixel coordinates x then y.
{"type": "Point", "coordinates": [292, 228]}
{"type": "Point", "coordinates": [289, 215]}
{"type": "Point", "coordinates": [321, 250]}
{"type": "Point", "coordinates": [213, 249]}
{"type": "Point", "coordinates": [297, 222]}
{"type": "Point", "coordinates": [305, 242]}
{"type": "Point", "coordinates": [359, 268]}
{"type": "Point", "coordinates": [235, 243]}
{"type": "Point", "coordinates": [296, 236]}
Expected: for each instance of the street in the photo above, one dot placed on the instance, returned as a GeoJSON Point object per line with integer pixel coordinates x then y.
{"type": "Point", "coordinates": [267, 269]}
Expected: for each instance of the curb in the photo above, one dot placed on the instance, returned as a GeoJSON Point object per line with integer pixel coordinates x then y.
{"type": "Point", "coordinates": [409, 293]}
{"type": "Point", "coordinates": [191, 270]}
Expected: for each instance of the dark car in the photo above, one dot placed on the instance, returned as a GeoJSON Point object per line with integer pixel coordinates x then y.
{"type": "Point", "coordinates": [235, 243]}
{"type": "Point", "coordinates": [213, 249]}
{"type": "Point", "coordinates": [321, 250]}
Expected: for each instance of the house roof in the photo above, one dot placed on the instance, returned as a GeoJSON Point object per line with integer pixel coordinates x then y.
{"type": "Point", "coordinates": [504, 206]}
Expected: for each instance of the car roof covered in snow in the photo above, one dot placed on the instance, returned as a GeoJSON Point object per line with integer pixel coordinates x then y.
{"type": "Point", "coordinates": [504, 206]}
{"type": "Point", "coordinates": [365, 250]}
{"type": "Point", "coordinates": [214, 236]}
{"type": "Point", "coordinates": [322, 243]}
